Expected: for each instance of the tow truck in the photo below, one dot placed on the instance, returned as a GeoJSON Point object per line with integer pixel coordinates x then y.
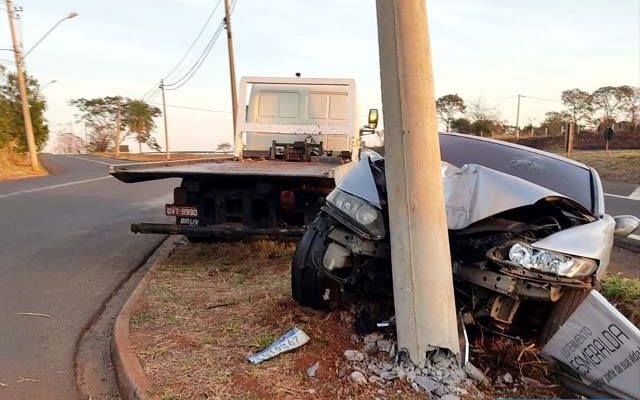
{"type": "Point", "coordinates": [291, 134]}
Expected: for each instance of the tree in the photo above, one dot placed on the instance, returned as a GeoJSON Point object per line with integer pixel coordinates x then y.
{"type": "Point", "coordinates": [461, 125]}
{"type": "Point", "coordinates": [482, 127]}
{"type": "Point", "coordinates": [554, 121]}
{"type": "Point", "coordinates": [138, 118]}
{"type": "Point", "coordinates": [608, 99]}
{"type": "Point", "coordinates": [631, 103]}
{"type": "Point", "coordinates": [478, 110]}
{"type": "Point", "coordinates": [101, 116]}
{"type": "Point", "coordinates": [225, 147]}
{"type": "Point", "coordinates": [448, 107]}
{"type": "Point", "coordinates": [12, 128]}
{"type": "Point", "coordinates": [579, 104]}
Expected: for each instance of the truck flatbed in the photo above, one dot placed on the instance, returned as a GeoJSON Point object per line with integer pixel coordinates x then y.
{"type": "Point", "coordinates": [222, 168]}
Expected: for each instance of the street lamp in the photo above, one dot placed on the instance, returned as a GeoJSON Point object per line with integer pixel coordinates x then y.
{"type": "Point", "coordinates": [71, 15]}
{"type": "Point", "coordinates": [26, 113]}
{"type": "Point", "coordinates": [47, 84]}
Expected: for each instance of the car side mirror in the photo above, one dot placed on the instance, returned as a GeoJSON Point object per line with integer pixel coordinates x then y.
{"type": "Point", "coordinates": [625, 225]}
{"type": "Point", "coordinates": [373, 118]}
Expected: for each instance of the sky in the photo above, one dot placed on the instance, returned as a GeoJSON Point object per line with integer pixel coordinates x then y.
{"type": "Point", "coordinates": [493, 49]}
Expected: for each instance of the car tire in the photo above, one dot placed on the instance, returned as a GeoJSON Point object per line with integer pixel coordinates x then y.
{"type": "Point", "coordinates": [310, 287]}
{"type": "Point", "coordinates": [561, 310]}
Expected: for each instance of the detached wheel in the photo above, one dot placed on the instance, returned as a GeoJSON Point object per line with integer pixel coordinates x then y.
{"type": "Point", "coordinates": [561, 310]}
{"type": "Point", "coordinates": [310, 287]}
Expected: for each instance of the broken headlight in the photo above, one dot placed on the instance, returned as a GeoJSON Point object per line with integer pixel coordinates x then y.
{"type": "Point", "coordinates": [362, 217]}
{"type": "Point", "coordinates": [550, 261]}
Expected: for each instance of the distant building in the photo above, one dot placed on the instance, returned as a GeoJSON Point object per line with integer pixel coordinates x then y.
{"type": "Point", "coordinates": [68, 143]}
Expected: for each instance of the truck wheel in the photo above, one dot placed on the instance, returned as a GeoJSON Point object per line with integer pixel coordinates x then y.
{"type": "Point", "coordinates": [561, 310]}
{"type": "Point", "coordinates": [309, 287]}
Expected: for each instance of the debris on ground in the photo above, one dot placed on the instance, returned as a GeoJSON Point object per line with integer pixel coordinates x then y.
{"type": "Point", "coordinates": [289, 341]}
{"type": "Point", "coordinates": [311, 371]}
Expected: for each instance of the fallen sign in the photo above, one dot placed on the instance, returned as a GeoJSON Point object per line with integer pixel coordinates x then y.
{"type": "Point", "coordinates": [601, 347]}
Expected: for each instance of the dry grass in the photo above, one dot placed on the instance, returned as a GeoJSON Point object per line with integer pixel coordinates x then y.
{"type": "Point", "coordinates": [615, 165]}
{"type": "Point", "coordinates": [209, 306]}
{"type": "Point", "coordinates": [158, 156]}
{"type": "Point", "coordinates": [14, 166]}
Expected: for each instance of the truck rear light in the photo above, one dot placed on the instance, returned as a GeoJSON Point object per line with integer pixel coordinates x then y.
{"type": "Point", "coordinates": [180, 196]}
{"type": "Point", "coordinates": [287, 200]}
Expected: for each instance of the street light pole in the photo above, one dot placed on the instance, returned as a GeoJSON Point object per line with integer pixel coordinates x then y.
{"type": "Point", "coordinates": [71, 15]}
{"type": "Point", "coordinates": [166, 127]}
{"type": "Point", "coordinates": [26, 113]}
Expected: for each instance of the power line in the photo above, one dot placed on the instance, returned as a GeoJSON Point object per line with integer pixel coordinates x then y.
{"type": "Point", "coordinates": [215, 8]}
{"type": "Point", "coordinates": [539, 98]}
{"type": "Point", "coordinates": [194, 108]}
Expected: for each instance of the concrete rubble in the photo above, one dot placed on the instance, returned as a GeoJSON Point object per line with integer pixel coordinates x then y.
{"type": "Point", "coordinates": [442, 377]}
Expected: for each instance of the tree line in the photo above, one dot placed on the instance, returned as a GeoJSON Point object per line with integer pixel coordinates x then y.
{"type": "Point", "coordinates": [111, 120]}
{"type": "Point", "coordinates": [609, 105]}
{"type": "Point", "coordinates": [11, 122]}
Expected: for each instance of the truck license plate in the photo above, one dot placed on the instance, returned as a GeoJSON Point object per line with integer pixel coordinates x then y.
{"type": "Point", "coordinates": [181, 211]}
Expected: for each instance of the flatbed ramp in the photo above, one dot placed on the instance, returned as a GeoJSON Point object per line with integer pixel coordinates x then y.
{"type": "Point", "coordinates": [222, 168]}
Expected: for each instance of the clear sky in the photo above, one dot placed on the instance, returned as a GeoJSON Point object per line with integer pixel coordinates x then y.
{"type": "Point", "coordinates": [490, 48]}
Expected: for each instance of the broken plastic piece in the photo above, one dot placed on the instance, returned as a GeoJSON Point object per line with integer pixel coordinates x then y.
{"type": "Point", "coordinates": [291, 340]}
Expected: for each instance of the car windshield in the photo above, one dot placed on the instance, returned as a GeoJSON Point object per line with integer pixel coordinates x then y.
{"type": "Point", "coordinates": [564, 177]}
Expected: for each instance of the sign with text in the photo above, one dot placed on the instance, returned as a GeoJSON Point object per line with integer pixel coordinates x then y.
{"type": "Point", "coordinates": [600, 345]}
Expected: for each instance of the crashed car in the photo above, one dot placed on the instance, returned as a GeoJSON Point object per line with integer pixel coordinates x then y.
{"type": "Point", "coordinates": [528, 235]}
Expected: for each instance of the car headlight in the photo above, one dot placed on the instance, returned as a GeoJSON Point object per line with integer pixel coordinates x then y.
{"type": "Point", "coordinates": [365, 217]}
{"type": "Point", "coordinates": [551, 262]}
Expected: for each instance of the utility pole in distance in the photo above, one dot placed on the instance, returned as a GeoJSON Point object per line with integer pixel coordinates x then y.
{"type": "Point", "coordinates": [232, 65]}
{"type": "Point", "coordinates": [166, 127]}
{"type": "Point", "coordinates": [421, 262]}
{"type": "Point", "coordinates": [518, 119]}
{"type": "Point", "coordinates": [24, 99]}
{"type": "Point", "coordinates": [118, 124]}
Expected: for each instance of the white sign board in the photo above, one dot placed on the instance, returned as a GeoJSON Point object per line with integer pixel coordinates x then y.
{"type": "Point", "coordinates": [602, 346]}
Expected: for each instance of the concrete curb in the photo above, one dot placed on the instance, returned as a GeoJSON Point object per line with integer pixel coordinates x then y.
{"type": "Point", "coordinates": [133, 383]}
{"type": "Point", "coordinates": [627, 243]}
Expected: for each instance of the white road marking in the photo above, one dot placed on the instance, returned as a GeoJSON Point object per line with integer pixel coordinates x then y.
{"type": "Point", "coordinates": [86, 159]}
{"type": "Point", "coordinates": [622, 197]}
{"type": "Point", "coordinates": [61, 185]}
{"type": "Point", "coordinates": [635, 194]}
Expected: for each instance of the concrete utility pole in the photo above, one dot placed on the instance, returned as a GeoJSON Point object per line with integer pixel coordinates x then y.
{"type": "Point", "coordinates": [166, 127]}
{"type": "Point", "coordinates": [232, 65]}
{"type": "Point", "coordinates": [118, 124]}
{"type": "Point", "coordinates": [518, 119]}
{"type": "Point", "coordinates": [569, 139]}
{"type": "Point", "coordinates": [24, 99]}
{"type": "Point", "coordinates": [422, 276]}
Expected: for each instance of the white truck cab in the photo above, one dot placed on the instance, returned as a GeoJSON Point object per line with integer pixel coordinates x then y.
{"type": "Point", "coordinates": [290, 110]}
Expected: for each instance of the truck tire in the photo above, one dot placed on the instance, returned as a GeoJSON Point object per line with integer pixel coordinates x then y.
{"type": "Point", "coordinates": [310, 287]}
{"type": "Point", "coordinates": [561, 310]}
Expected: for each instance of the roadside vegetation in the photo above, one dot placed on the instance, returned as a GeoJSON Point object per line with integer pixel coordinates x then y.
{"type": "Point", "coordinates": [616, 165]}
{"type": "Point", "coordinates": [208, 306]}
{"type": "Point", "coordinates": [13, 146]}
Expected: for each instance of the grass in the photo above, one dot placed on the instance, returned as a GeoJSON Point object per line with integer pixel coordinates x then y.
{"type": "Point", "coordinates": [616, 165]}
{"type": "Point", "coordinates": [624, 293]}
{"type": "Point", "coordinates": [222, 321]}
{"type": "Point", "coordinates": [159, 156]}
{"type": "Point", "coordinates": [617, 287]}
{"type": "Point", "coordinates": [15, 166]}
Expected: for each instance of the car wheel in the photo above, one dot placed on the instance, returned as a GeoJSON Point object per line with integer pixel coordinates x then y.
{"type": "Point", "coordinates": [310, 287]}
{"type": "Point", "coordinates": [561, 310]}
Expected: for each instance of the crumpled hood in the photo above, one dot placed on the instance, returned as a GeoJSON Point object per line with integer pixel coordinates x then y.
{"type": "Point", "coordinates": [474, 192]}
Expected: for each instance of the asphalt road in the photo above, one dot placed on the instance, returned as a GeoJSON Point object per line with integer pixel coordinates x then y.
{"type": "Point", "coordinates": [64, 247]}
